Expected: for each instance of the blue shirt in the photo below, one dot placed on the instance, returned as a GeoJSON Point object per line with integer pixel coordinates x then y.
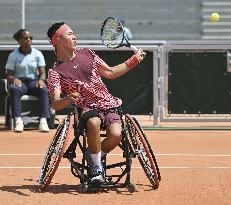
{"type": "Point", "coordinates": [25, 66]}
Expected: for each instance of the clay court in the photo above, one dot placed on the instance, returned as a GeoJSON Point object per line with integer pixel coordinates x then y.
{"type": "Point", "coordinates": [195, 167]}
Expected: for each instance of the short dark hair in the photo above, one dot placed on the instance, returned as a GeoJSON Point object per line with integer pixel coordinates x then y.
{"type": "Point", "coordinates": [53, 28]}
{"type": "Point", "coordinates": [18, 34]}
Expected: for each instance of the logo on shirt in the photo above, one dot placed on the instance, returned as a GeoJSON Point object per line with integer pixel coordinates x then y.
{"type": "Point", "coordinates": [76, 66]}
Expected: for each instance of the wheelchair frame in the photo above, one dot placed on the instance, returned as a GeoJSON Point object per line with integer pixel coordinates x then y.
{"type": "Point", "coordinates": [133, 143]}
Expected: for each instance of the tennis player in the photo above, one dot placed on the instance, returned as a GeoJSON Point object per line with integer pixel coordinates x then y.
{"type": "Point", "coordinates": [77, 73]}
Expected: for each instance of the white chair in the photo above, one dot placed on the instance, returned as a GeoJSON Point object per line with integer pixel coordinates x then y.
{"type": "Point", "coordinates": [29, 116]}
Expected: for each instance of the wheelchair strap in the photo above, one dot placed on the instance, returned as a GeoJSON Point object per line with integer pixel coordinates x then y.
{"type": "Point", "coordinates": [86, 116]}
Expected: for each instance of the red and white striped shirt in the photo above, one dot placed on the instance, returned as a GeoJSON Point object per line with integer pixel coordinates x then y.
{"type": "Point", "coordinates": [81, 75]}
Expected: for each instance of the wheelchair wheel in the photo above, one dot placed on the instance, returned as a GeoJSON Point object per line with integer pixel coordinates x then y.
{"type": "Point", "coordinates": [143, 150]}
{"type": "Point", "coordinates": [55, 152]}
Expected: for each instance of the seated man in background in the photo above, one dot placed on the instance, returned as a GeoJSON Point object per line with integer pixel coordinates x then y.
{"type": "Point", "coordinates": [25, 70]}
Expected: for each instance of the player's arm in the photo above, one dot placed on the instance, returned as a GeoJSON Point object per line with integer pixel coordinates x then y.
{"type": "Point", "coordinates": [119, 70]}
{"type": "Point", "coordinates": [58, 103]}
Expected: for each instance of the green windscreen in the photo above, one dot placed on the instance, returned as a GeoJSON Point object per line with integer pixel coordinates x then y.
{"type": "Point", "coordinates": [135, 88]}
{"type": "Point", "coordinates": [198, 82]}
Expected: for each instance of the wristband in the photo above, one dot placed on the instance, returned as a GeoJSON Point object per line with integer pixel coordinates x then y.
{"type": "Point", "coordinates": [132, 62]}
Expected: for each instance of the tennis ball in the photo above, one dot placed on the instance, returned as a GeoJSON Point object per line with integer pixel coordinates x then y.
{"type": "Point", "coordinates": [214, 17]}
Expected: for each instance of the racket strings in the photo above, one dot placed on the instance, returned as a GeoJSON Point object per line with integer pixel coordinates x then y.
{"type": "Point", "coordinates": [112, 33]}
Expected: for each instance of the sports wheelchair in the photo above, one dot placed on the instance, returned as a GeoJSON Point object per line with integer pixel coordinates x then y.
{"type": "Point", "coordinates": [134, 143]}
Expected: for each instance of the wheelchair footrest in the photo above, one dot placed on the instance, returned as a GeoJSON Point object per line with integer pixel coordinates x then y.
{"type": "Point", "coordinates": [84, 188]}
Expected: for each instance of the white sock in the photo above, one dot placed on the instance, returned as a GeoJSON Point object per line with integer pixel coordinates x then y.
{"type": "Point", "coordinates": [96, 159]}
{"type": "Point", "coordinates": [43, 119]}
{"type": "Point", "coordinates": [18, 119]}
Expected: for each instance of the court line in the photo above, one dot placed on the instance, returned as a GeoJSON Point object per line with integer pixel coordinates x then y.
{"type": "Point", "coordinates": [184, 167]}
{"type": "Point", "coordinates": [197, 155]}
{"type": "Point", "coordinates": [139, 167]}
{"type": "Point", "coordinates": [191, 155]}
{"type": "Point", "coordinates": [131, 167]}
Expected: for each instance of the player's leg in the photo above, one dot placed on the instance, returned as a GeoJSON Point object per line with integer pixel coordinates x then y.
{"type": "Point", "coordinates": [113, 139]}
{"type": "Point", "coordinates": [90, 119]}
{"type": "Point", "coordinates": [94, 151]}
{"type": "Point", "coordinates": [93, 135]}
{"type": "Point", "coordinates": [112, 121]}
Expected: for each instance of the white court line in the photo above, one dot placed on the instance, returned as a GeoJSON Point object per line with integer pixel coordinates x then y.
{"type": "Point", "coordinates": [22, 154]}
{"type": "Point", "coordinates": [178, 154]}
{"type": "Point", "coordinates": [197, 155]}
{"type": "Point", "coordinates": [131, 167]}
{"type": "Point", "coordinates": [191, 155]}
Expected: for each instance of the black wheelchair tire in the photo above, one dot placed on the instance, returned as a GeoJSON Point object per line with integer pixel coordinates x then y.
{"type": "Point", "coordinates": [143, 151]}
{"type": "Point", "coordinates": [55, 152]}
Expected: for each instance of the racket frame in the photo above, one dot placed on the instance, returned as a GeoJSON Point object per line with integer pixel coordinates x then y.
{"type": "Point", "coordinates": [124, 38]}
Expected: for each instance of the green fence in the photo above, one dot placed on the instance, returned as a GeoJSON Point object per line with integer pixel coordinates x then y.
{"type": "Point", "coordinates": [198, 82]}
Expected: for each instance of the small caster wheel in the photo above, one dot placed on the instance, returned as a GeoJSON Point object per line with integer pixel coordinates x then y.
{"type": "Point", "coordinates": [83, 188]}
{"type": "Point", "coordinates": [131, 187]}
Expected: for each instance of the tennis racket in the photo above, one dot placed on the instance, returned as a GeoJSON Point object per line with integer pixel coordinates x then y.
{"type": "Point", "coordinates": [113, 34]}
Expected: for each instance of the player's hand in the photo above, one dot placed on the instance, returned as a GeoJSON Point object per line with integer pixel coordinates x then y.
{"type": "Point", "coordinates": [140, 54]}
{"type": "Point", "coordinates": [17, 82]}
{"type": "Point", "coordinates": [72, 97]}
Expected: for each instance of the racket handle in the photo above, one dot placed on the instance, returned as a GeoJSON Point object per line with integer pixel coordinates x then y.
{"type": "Point", "coordinates": [133, 48]}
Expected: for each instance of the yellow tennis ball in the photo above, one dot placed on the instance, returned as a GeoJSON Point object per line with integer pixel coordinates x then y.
{"type": "Point", "coordinates": [214, 17]}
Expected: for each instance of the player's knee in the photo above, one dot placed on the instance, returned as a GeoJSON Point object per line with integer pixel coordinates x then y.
{"type": "Point", "coordinates": [93, 124]}
{"type": "Point", "coordinates": [118, 137]}
{"type": "Point", "coordinates": [115, 135]}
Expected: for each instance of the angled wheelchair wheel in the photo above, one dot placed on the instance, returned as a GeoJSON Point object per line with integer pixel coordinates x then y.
{"type": "Point", "coordinates": [55, 152]}
{"type": "Point", "coordinates": [143, 150]}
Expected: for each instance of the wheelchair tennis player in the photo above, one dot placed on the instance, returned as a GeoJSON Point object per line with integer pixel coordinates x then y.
{"type": "Point", "coordinates": [77, 73]}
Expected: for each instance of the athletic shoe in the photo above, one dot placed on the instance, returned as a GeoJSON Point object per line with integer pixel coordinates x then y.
{"type": "Point", "coordinates": [43, 127]}
{"type": "Point", "coordinates": [95, 173]}
{"type": "Point", "coordinates": [97, 176]}
{"type": "Point", "coordinates": [19, 126]}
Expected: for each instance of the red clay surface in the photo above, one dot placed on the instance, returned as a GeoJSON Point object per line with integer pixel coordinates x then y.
{"type": "Point", "coordinates": [195, 167]}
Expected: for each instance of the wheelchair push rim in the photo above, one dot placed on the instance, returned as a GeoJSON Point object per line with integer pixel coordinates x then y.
{"type": "Point", "coordinates": [143, 150]}
{"type": "Point", "coordinates": [55, 152]}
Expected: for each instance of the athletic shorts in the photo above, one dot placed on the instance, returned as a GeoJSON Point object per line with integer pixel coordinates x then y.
{"type": "Point", "coordinates": [108, 117]}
